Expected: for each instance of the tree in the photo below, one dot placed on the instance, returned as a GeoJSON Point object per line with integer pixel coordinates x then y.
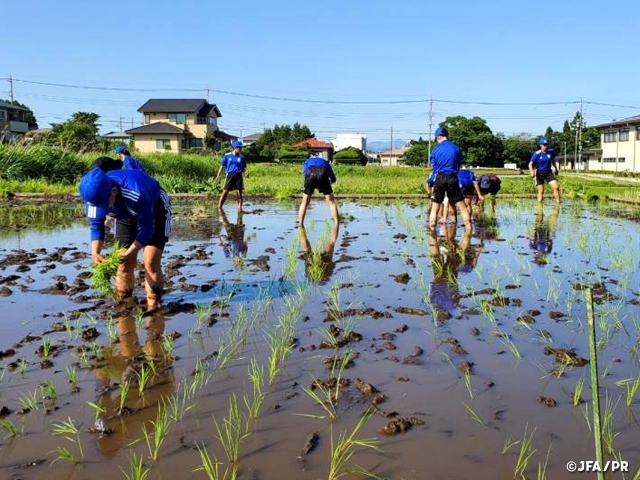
{"type": "Point", "coordinates": [350, 156]}
{"type": "Point", "coordinates": [518, 148]}
{"type": "Point", "coordinates": [480, 147]}
{"type": "Point", "coordinates": [272, 140]}
{"type": "Point", "coordinates": [27, 117]}
{"type": "Point", "coordinates": [567, 138]}
{"type": "Point", "coordinates": [78, 133]}
{"type": "Point", "coordinates": [417, 154]}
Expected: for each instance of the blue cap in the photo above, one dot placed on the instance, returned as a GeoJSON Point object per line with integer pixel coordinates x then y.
{"type": "Point", "coordinates": [120, 149]}
{"type": "Point", "coordinates": [95, 188]}
{"type": "Point", "coordinates": [441, 132]}
{"type": "Point", "coordinates": [237, 144]}
{"type": "Point", "coordinates": [543, 141]}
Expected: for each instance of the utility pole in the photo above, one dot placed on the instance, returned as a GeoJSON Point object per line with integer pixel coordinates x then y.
{"type": "Point", "coordinates": [11, 88]}
{"type": "Point", "coordinates": [430, 128]}
{"type": "Point", "coordinates": [131, 122]}
{"type": "Point", "coordinates": [207, 95]}
{"type": "Point", "coordinates": [391, 147]}
{"type": "Point", "coordinates": [578, 138]}
{"type": "Point", "coordinates": [121, 123]}
{"type": "Point", "coordinates": [580, 132]}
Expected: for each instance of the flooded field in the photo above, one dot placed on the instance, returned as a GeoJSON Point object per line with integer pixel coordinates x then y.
{"type": "Point", "coordinates": [467, 355]}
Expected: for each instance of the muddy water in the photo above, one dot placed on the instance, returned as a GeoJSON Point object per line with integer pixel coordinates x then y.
{"type": "Point", "coordinates": [423, 305]}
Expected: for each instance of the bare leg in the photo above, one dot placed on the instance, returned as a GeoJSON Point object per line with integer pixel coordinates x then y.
{"type": "Point", "coordinates": [333, 207]}
{"type": "Point", "coordinates": [556, 190]}
{"type": "Point", "coordinates": [223, 197]}
{"type": "Point", "coordinates": [154, 278]}
{"type": "Point", "coordinates": [540, 193]}
{"type": "Point", "coordinates": [453, 214]}
{"type": "Point", "coordinates": [240, 200]}
{"type": "Point", "coordinates": [303, 208]}
{"type": "Point", "coordinates": [125, 279]}
{"type": "Point", "coordinates": [466, 218]}
{"type": "Point", "coordinates": [433, 215]}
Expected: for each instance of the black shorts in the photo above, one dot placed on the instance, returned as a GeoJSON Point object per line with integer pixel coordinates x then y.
{"type": "Point", "coordinates": [234, 181]}
{"type": "Point", "coordinates": [127, 229]}
{"type": "Point", "coordinates": [468, 191]}
{"type": "Point", "coordinates": [546, 176]}
{"type": "Point", "coordinates": [447, 184]}
{"type": "Point", "coordinates": [317, 178]}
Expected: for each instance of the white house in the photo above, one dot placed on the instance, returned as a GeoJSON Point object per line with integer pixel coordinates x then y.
{"type": "Point", "coordinates": [345, 140]}
{"type": "Point", "coordinates": [620, 142]}
{"type": "Point", "coordinates": [389, 158]}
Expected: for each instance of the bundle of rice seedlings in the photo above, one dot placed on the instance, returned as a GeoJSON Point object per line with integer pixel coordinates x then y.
{"type": "Point", "coordinates": [103, 272]}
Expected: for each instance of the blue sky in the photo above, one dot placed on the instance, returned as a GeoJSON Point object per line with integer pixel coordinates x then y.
{"type": "Point", "coordinates": [492, 51]}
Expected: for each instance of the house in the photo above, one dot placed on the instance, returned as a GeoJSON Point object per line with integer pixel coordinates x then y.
{"type": "Point", "coordinates": [389, 158]}
{"type": "Point", "coordinates": [13, 122]}
{"type": "Point", "coordinates": [251, 139]}
{"type": "Point", "coordinates": [346, 140]}
{"type": "Point", "coordinates": [316, 147]}
{"type": "Point", "coordinates": [620, 141]}
{"type": "Point", "coordinates": [175, 124]}
{"type": "Point", "coordinates": [120, 137]}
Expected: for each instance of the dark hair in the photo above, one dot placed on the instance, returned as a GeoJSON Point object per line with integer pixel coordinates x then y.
{"type": "Point", "coordinates": [126, 153]}
{"type": "Point", "coordinates": [107, 164]}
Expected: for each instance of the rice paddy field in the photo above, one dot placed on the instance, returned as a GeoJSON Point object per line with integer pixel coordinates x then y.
{"type": "Point", "coordinates": [374, 350]}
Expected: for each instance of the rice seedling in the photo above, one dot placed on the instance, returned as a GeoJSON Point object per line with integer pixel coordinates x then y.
{"type": "Point", "coordinates": [584, 408]}
{"type": "Point", "coordinates": [229, 433]}
{"type": "Point", "coordinates": [29, 401]}
{"type": "Point", "coordinates": [178, 403]}
{"type": "Point", "coordinates": [253, 403]}
{"type": "Point", "coordinates": [199, 376]}
{"type": "Point", "coordinates": [144, 375]}
{"type": "Point", "coordinates": [97, 408]}
{"type": "Point", "coordinates": [111, 330]}
{"type": "Point", "coordinates": [138, 471]}
{"type": "Point", "coordinates": [631, 387]}
{"type": "Point", "coordinates": [608, 432]}
{"type": "Point", "coordinates": [542, 467]}
{"type": "Point", "coordinates": [161, 427]}
{"type": "Point", "coordinates": [343, 449]}
{"type": "Point", "coordinates": [103, 272]}
{"type": "Point", "coordinates": [467, 382]}
{"type": "Point", "coordinates": [9, 428]}
{"type": "Point", "coordinates": [525, 454]}
{"type": "Point", "coordinates": [122, 395]}
{"type": "Point", "coordinates": [507, 342]}
{"type": "Point", "coordinates": [139, 320]}
{"type": "Point", "coordinates": [202, 312]}
{"type": "Point", "coordinates": [472, 413]}
{"type": "Point", "coordinates": [68, 429]}
{"type": "Point", "coordinates": [577, 393]}
{"type": "Point", "coordinates": [167, 347]}
{"type": "Point", "coordinates": [47, 345]}
{"type": "Point", "coordinates": [72, 375]}
{"type": "Point", "coordinates": [508, 444]}
{"type": "Point", "coordinates": [72, 330]}
{"type": "Point", "coordinates": [211, 468]}
{"type": "Point", "coordinates": [22, 366]}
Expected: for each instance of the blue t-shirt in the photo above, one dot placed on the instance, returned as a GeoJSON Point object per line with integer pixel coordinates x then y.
{"type": "Point", "coordinates": [321, 163]}
{"type": "Point", "coordinates": [542, 161]}
{"type": "Point", "coordinates": [131, 163]}
{"type": "Point", "coordinates": [139, 194]}
{"type": "Point", "coordinates": [234, 163]}
{"type": "Point", "coordinates": [432, 179]}
{"type": "Point", "coordinates": [446, 158]}
{"type": "Point", "coordinates": [466, 178]}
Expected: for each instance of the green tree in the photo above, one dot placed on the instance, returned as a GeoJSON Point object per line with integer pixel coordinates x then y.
{"type": "Point", "coordinates": [567, 138]}
{"type": "Point", "coordinates": [518, 148]}
{"type": "Point", "coordinates": [78, 133]}
{"type": "Point", "coordinates": [274, 138]}
{"type": "Point", "coordinates": [480, 147]}
{"type": "Point", "coordinates": [350, 156]}
{"type": "Point", "coordinates": [417, 154]}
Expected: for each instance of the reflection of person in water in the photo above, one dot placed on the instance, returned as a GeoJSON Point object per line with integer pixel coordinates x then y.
{"type": "Point", "coordinates": [541, 241]}
{"type": "Point", "coordinates": [486, 226]}
{"type": "Point", "coordinates": [326, 264]}
{"type": "Point", "coordinates": [448, 258]}
{"type": "Point", "coordinates": [233, 244]}
{"type": "Point", "coordinates": [121, 366]}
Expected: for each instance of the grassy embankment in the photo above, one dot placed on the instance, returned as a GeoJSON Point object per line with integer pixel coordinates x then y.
{"type": "Point", "coordinates": [48, 170]}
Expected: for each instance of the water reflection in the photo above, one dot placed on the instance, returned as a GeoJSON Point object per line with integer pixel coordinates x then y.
{"type": "Point", "coordinates": [319, 264]}
{"type": "Point", "coordinates": [123, 364]}
{"type": "Point", "coordinates": [234, 243]}
{"type": "Point", "coordinates": [541, 239]}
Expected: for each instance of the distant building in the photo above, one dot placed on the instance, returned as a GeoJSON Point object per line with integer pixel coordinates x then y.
{"type": "Point", "coordinates": [317, 147]}
{"type": "Point", "coordinates": [346, 140]}
{"type": "Point", "coordinates": [251, 139]}
{"type": "Point", "coordinates": [389, 158]}
{"type": "Point", "coordinates": [175, 124]}
{"type": "Point", "coordinates": [620, 142]}
{"type": "Point", "coordinates": [120, 137]}
{"type": "Point", "coordinates": [13, 122]}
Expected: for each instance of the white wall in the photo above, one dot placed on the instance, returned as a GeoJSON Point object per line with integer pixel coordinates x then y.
{"type": "Point", "coordinates": [345, 140]}
{"type": "Point", "coordinates": [617, 155]}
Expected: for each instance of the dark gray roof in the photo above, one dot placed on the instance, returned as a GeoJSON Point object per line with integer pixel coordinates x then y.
{"type": "Point", "coordinates": [621, 123]}
{"type": "Point", "coordinates": [158, 127]}
{"type": "Point", "coordinates": [11, 105]}
{"type": "Point", "coordinates": [116, 135]}
{"type": "Point", "coordinates": [224, 135]}
{"type": "Point", "coordinates": [254, 137]}
{"type": "Point", "coordinates": [179, 105]}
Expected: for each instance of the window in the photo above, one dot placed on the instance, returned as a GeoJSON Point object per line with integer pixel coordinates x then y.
{"type": "Point", "coordinates": [610, 136]}
{"type": "Point", "coordinates": [147, 118]}
{"type": "Point", "coordinates": [613, 159]}
{"type": "Point", "coordinates": [177, 117]}
{"type": "Point", "coordinates": [3, 115]}
{"type": "Point", "coordinates": [195, 143]}
{"type": "Point", "coordinates": [212, 121]}
{"type": "Point", "coordinates": [624, 134]}
{"type": "Point", "coordinates": [163, 144]}
{"type": "Point", "coordinates": [638, 133]}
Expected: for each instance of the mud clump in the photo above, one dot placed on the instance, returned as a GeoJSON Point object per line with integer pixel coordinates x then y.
{"type": "Point", "coordinates": [400, 236]}
{"type": "Point", "coordinates": [401, 278]}
{"type": "Point", "coordinates": [7, 353]}
{"type": "Point", "coordinates": [337, 361]}
{"type": "Point", "coordinates": [566, 356]}
{"type": "Point", "coordinates": [443, 316]}
{"type": "Point", "coordinates": [330, 383]}
{"type": "Point", "coordinates": [357, 312]}
{"type": "Point", "coordinates": [500, 301]}
{"type": "Point", "coordinates": [414, 358]}
{"type": "Point", "coordinates": [475, 331]}
{"type": "Point", "coordinates": [311, 443]}
{"type": "Point", "coordinates": [456, 347]}
{"type": "Point", "coordinates": [548, 401]}
{"type": "Point", "coordinates": [4, 411]}
{"type": "Point", "coordinates": [388, 345]}
{"type": "Point", "coordinates": [410, 311]}
{"type": "Point", "coordinates": [402, 328]}
{"type": "Point", "coordinates": [90, 334]}
{"type": "Point", "coordinates": [471, 311]}
{"type": "Point", "coordinates": [5, 291]}
{"type": "Point", "coordinates": [467, 367]}
{"type": "Point", "coordinates": [528, 319]}
{"type": "Point", "coordinates": [553, 315]}
{"type": "Point", "coordinates": [370, 392]}
{"type": "Point", "coordinates": [400, 425]}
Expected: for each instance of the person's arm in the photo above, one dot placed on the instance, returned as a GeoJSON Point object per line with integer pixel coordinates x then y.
{"type": "Point", "coordinates": [96, 249]}
{"type": "Point", "coordinates": [223, 164]}
{"type": "Point", "coordinates": [245, 172]}
{"type": "Point", "coordinates": [332, 176]}
{"type": "Point", "coordinates": [97, 218]}
{"type": "Point", "coordinates": [131, 163]}
{"type": "Point", "coordinates": [555, 165]}
{"type": "Point", "coordinates": [532, 162]}
{"type": "Point", "coordinates": [478, 192]}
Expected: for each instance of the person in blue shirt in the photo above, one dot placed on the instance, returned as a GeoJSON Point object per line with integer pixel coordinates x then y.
{"type": "Point", "coordinates": [143, 222]}
{"type": "Point", "coordinates": [543, 160]}
{"type": "Point", "coordinates": [469, 186]}
{"type": "Point", "coordinates": [128, 161]}
{"type": "Point", "coordinates": [236, 167]}
{"type": "Point", "coordinates": [489, 184]}
{"type": "Point", "coordinates": [318, 174]}
{"type": "Point", "coordinates": [446, 159]}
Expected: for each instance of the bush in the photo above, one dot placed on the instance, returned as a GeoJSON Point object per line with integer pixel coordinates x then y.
{"type": "Point", "coordinates": [40, 162]}
{"type": "Point", "coordinates": [350, 156]}
{"type": "Point", "coordinates": [287, 155]}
